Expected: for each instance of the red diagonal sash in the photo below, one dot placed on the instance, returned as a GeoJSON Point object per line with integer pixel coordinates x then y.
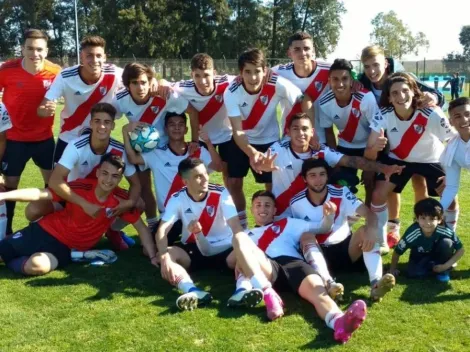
{"type": "Point", "coordinates": [177, 183]}
{"type": "Point", "coordinates": [271, 233]}
{"type": "Point", "coordinates": [259, 107]}
{"type": "Point", "coordinates": [322, 237]}
{"type": "Point", "coordinates": [80, 114]}
{"type": "Point", "coordinates": [319, 83]}
{"type": "Point", "coordinates": [92, 174]}
{"type": "Point", "coordinates": [411, 137]}
{"type": "Point", "coordinates": [152, 111]}
{"type": "Point", "coordinates": [349, 130]}
{"type": "Point", "coordinates": [283, 200]}
{"type": "Point", "coordinates": [207, 217]}
{"type": "Point", "coordinates": [213, 105]}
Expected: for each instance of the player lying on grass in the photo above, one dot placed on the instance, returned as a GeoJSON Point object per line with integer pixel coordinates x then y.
{"type": "Point", "coordinates": [46, 245]}
{"type": "Point", "coordinates": [206, 211]}
{"type": "Point", "coordinates": [434, 246]}
{"type": "Point", "coordinates": [268, 256]}
{"type": "Point", "coordinates": [341, 247]}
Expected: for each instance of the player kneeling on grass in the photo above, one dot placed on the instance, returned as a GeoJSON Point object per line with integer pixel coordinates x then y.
{"type": "Point", "coordinates": [434, 246]}
{"type": "Point", "coordinates": [46, 244]}
{"type": "Point", "coordinates": [209, 218]}
{"type": "Point", "coordinates": [341, 247]}
{"type": "Point", "coordinates": [268, 256]}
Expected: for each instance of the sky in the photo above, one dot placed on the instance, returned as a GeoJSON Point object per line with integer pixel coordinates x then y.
{"type": "Point", "coordinates": [440, 21]}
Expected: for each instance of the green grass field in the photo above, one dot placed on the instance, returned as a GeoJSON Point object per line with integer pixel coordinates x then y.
{"type": "Point", "coordinates": [128, 307]}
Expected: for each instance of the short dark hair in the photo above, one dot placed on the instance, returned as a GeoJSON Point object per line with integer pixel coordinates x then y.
{"type": "Point", "coordinates": [171, 114]}
{"type": "Point", "coordinates": [263, 193]}
{"type": "Point", "coordinates": [251, 56]}
{"type": "Point", "coordinates": [313, 163]}
{"type": "Point", "coordinates": [401, 77]}
{"type": "Point", "coordinates": [429, 207]}
{"type": "Point", "coordinates": [341, 65]}
{"type": "Point", "coordinates": [298, 116]}
{"type": "Point", "coordinates": [134, 70]}
{"type": "Point", "coordinates": [187, 165]}
{"type": "Point", "coordinates": [298, 36]}
{"type": "Point", "coordinates": [115, 160]}
{"type": "Point", "coordinates": [104, 107]}
{"type": "Point", "coordinates": [458, 102]}
{"type": "Point", "coordinates": [202, 61]}
{"type": "Point", "coordinates": [33, 33]}
{"type": "Point", "coordinates": [92, 41]}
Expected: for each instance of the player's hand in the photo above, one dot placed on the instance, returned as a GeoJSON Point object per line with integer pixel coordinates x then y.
{"type": "Point", "coordinates": [380, 142]}
{"type": "Point", "coordinates": [389, 170]}
{"type": "Point", "coordinates": [439, 268]}
{"type": "Point", "coordinates": [314, 142]}
{"type": "Point", "coordinates": [194, 226]}
{"type": "Point", "coordinates": [256, 160]}
{"type": "Point", "coordinates": [356, 86]}
{"type": "Point", "coordinates": [168, 269]}
{"type": "Point", "coordinates": [203, 135]}
{"type": "Point", "coordinates": [368, 179]}
{"type": "Point", "coordinates": [154, 261]}
{"type": "Point", "coordinates": [160, 88]}
{"type": "Point", "coordinates": [134, 126]}
{"type": "Point", "coordinates": [91, 209]}
{"type": "Point", "coordinates": [429, 101]}
{"type": "Point", "coordinates": [49, 108]}
{"type": "Point", "coordinates": [369, 240]}
{"type": "Point", "coordinates": [193, 147]}
{"type": "Point", "coordinates": [123, 206]}
{"type": "Point", "coordinates": [329, 208]}
{"type": "Point", "coordinates": [266, 164]}
{"type": "Point", "coordinates": [441, 185]}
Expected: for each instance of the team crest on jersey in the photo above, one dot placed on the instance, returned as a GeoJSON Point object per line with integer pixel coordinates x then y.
{"type": "Point", "coordinates": [276, 229]}
{"type": "Point", "coordinates": [210, 210]}
{"type": "Point", "coordinates": [219, 98]}
{"type": "Point", "coordinates": [47, 83]}
{"type": "Point", "coordinates": [264, 99]}
{"type": "Point", "coordinates": [356, 112]}
{"type": "Point", "coordinates": [419, 129]}
{"type": "Point", "coordinates": [109, 212]}
{"type": "Point", "coordinates": [103, 90]}
{"type": "Point", "coordinates": [155, 109]}
{"type": "Point", "coordinates": [318, 86]}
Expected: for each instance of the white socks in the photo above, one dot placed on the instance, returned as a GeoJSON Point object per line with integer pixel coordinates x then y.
{"type": "Point", "coordinates": [331, 316]}
{"type": "Point", "coordinates": [243, 283]}
{"type": "Point", "coordinates": [373, 262]}
{"type": "Point", "coordinates": [451, 217]}
{"type": "Point", "coordinates": [382, 216]}
{"type": "Point", "coordinates": [184, 283]}
{"type": "Point", "coordinates": [314, 256]}
{"type": "Point", "coordinates": [260, 281]}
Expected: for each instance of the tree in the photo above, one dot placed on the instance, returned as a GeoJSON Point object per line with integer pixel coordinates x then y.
{"type": "Point", "coordinates": [464, 39]}
{"type": "Point", "coordinates": [395, 37]}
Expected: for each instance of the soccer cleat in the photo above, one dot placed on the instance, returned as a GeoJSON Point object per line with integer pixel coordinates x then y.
{"type": "Point", "coordinates": [382, 287]}
{"type": "Point", "coordinates": [127, 239]}
{"type": "Point", "coordinates": [350, 321]}
{"type": "Point", "coordinates": [247, 298]}
{"type": "Point", "coordinates": [193, 299]}
{"type": "Point", "coordinates": [443, 277]}
{"type": "Point", "coordinates": [335, 290]}
{"type": "Point", "coordinates": [273, 304]}
{"type": "Point", "coordinates": [116, 240]}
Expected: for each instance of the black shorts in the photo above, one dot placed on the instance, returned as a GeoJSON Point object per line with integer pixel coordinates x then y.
{"type": "Point", "coordinates": [350, 152]}
{"type": "Point", "coordinates": [59, 150]}
{"type": "Point", "coordinates": [430, 171]}
{"type": "Point", "coordinates": [338, 259]}
{"type": "Point", "coordinates": [289, 272]}
{"type": "Point", "coordinates": [222, 148]}
{"type": "Point", "coordinates": [175, 232]}
{"type": "Point", "coordinates": [17, 154]}
{"type": "Point", "coordinates": [33, 239]}
{"type": "Point", "coordinates": [201, 262]}
{"type": "Point", "coordinates": [240, 163]}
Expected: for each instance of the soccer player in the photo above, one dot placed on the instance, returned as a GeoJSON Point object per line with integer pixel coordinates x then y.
{"type": "Point", "coordinates": [164, 160]}
{"type": "Point", "coordinates": [268, 255]}
{"type": "Point", "coordinates": [46, 245]}
{"type": "Point", "coordinates": [285, 159]}
{"type": "Point", "coordinates": [205, 92]}
{"type": "Point", "coordinates": [80, 159]}
{"type": "Point", "coordinates": [456, 154]}
{"type": "Point", "coordinates": [351, 113]}
{"type": "Point", "coordinates": [251, 107]}
{"type": "Point", "coordinates": [209, 218]}
{"type": "Point", "coordinates": [434, 246]}
{"type": "Point", "coordinates": [5, 124]}
{"type": "Point", "coordinates": [24, 82]}
{"type": "Point", "coordinates": [341, 247]}
{"type": "Point", "coordinates": [138, 105]}
{"type": "Point", "coordinates": [416, 141]}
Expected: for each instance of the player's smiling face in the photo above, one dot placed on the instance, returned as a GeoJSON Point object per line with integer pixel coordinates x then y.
{"type": "Point", "coordinates": [263, 210]}
{"type": "Point", "coordinates": [316, 179]}
{"type": "Point", "coordinates": [101, 125]}
{"type": "Point", "coordinates": [139, 87]}
{"type": "Point", "coordinates": [401, 96]}
{"type": "Point", "coordinates": [204, 80]}
{"type": "Point", "coordinates": [35, 51]}
{"type": "Point", "coordinates": [460, 119]}
{"type": "Point", "coordinates": [301, 51]}
{"type": "Point", "coordinates": [428, 224]}
{"type": "Point", "coordinates": [93, 59]}
{"type": "Point", "coordinates": [197, 180]}
{"type": "Point", "coordinates": [341, 83]}
{"type": "Point", "coordinates": [300, 132]}
{"type": "Point", "coordinates": [375, 68]}
{"type": "Point", "coordinates": [176, 128]}
{"type": "Point", "coordinates": [108, 176]}
{"type": "Point", "coordinates": [252, 77]}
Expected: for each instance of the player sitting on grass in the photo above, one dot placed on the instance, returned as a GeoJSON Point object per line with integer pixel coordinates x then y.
{"type": "Point", "coordinates": [268, 256]}
{"type": "Point", "coordinates": [205, 210]}
{"type": "Point", "coordinates": [46, 244]}
{"type": "Point", "coordinates": [434, 246]}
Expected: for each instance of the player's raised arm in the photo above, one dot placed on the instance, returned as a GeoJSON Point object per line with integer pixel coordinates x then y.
{"type": "Point", "coordinates": [194, 123]}
{"type": "Point", "coordinates": [134, 157]}
{"type": "Point", "coordinates": [146, 240]}
{"type": "Point", "coordinates": [216, 160]}
{"type": "Point", "coordinates": [26, 195]}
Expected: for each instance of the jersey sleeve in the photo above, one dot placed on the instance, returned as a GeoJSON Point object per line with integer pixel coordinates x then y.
{"type": "Point", "coordinates": [457, 244]}
{"type": "Point", "coordinates": [288, 91]}
{"type": "Point", "coordinates": [5, 122]}
{"type": "Point", "coordinates": [351, 202]}
{"type": "Point", "coordinates": [228, 207]}
{"type": "Point", "coordinates": [332, 157]}
{"type": "Point", "coordinates": [440, 125]}
{"type": "Point", "coordinates": [378, 122]}
{"type": "Point", "coordinates": [370, 108]}
{"type": "Point", "coordinates": [230, 101]}
{"type": "Point", "coordinates": [70, 156]}
{"type": "Point", "coordinates": [149, 159]}
{"type": "Point", "coordinates": [452, 184]}
{"type": "Point", "coordinates": [402, 245]}
{"type": "Point", "coordinates": [56, 90]}
{"type": "Point", "coordinates": [206, 157]}
{"type": "Point", "coordinates": [325, 120]}
{"type": "Point", "coordinates": [177, 104]}
{"type": "Point", "coordinates": [172, 209]}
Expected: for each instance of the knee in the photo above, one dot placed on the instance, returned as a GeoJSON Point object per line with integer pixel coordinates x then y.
{"type": "Point", "coordinates": [231, 260]}
{"type": "Point", "coordinates": [445, 244]}
{"type": "Point", "coordinates": [308, 239]}
{"type": "Point", "coordinates": [238, 239]}
{"type": "Point", "coordinates": [40, 264]}
{"type": "Point", "coordinates": [34, 211]}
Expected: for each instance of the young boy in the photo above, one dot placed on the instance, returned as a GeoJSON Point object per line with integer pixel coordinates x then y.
{"type": "Point", "coordinates": [434, 247]}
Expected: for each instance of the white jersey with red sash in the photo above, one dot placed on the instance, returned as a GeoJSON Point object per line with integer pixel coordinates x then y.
{"type": "Point", "coordinates": [281, 237]}
{"type": "Point", "coordinates": [82, 161]}
{"type": "Point", "coordinates": [353, 120]}
{"type": "Point", "coordinates": [163, 162]}
{"type": "Point", "coordinates": [212, 111]}
{"type": "Point", "coordinates": [80, 97]}
{"type": "Point", "coordinates": [153, 112]}
{"type": "Point", "coordinates": [258, 111]}
{"type": "Point", "coordinates": [418, 139]}
{"type": "Point", "coordinates": [346, 203]}
{"type": "Point", "coordinates": [314, 86]}
{"type": "Point", "coordinates": [287, 180]}
{"type": "Point", "coordinates": [212, 212]}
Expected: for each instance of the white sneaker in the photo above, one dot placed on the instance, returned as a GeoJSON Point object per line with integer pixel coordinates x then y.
{"type": "Point", "coordinates": [193, 299]}
{"type": "Point", "coordinates": [243, 297]}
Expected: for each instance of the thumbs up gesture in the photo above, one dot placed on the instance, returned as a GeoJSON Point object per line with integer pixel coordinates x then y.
{"type": "Point", "coordinates": [380, 142]}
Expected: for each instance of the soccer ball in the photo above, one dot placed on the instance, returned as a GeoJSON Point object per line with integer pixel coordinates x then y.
{"type": "Point", "coordinates": [144, 140]}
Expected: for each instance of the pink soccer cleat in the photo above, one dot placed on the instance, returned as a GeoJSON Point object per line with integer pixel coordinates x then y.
{"type": "Point", "coordinates": [350, 321]}
{"type": "Point", "coordinates": [273, 304]}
